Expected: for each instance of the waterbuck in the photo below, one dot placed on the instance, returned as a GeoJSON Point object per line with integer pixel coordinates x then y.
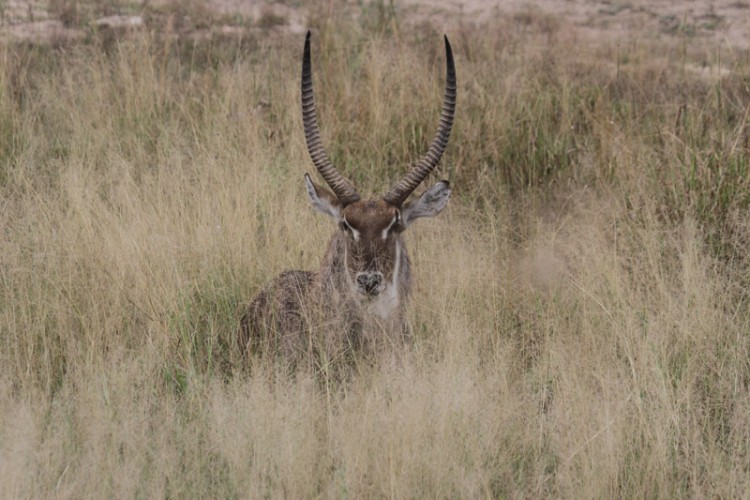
{"type": "Point", "coordinates": [356, 300]}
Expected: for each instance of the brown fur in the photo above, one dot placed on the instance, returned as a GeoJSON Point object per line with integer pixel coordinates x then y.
{"type": "Point", "coordinates": [356, 300]}
{"type": "Point", "coordinates": [302, 312]}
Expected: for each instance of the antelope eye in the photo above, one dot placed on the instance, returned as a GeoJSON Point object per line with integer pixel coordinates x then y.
{"type": "Point", "coordinates": [346, 227]}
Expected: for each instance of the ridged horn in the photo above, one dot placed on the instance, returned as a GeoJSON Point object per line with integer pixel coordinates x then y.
{"type": "Point", "coordinates": [342, 188]}
{"type": "Point", "coordinates": [398, 194]}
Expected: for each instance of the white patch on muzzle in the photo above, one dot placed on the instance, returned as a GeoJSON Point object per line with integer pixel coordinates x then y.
{"type": "Point", "coordinates": [386, 302]}
{"type": "Point", "coordinates": [383, 304]}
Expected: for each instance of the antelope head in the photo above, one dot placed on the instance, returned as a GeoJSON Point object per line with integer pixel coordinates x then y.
{"type": "Point", "coordinates": [371, 229]}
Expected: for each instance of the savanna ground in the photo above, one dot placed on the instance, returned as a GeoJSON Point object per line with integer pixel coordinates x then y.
{"type": "Point", "coordinates": [581, 313]}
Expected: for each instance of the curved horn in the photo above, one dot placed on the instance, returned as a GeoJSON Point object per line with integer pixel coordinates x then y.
{"type": "Point", "coordinates": [342, 188]}
{"type": "Point", "coordinates": [429, 161]}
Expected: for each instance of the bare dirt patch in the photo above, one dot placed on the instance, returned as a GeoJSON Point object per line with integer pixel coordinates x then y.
{"type": "Point", "coordinates": [721, 22]}
{"type": "Point", "coordinates": [717, 22]}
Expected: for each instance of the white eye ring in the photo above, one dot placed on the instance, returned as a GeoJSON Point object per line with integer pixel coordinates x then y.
{"type": "Point", "coordinates": [354, 232]}
{"type": "Point", "coordinates": [385, 232]}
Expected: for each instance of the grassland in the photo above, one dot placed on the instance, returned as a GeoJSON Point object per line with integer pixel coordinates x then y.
{"type": "Point", "coordinates": [581, 313]}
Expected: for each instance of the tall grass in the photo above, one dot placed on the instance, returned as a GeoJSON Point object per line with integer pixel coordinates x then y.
{"type": "Point", "coordinates": [580, 316]}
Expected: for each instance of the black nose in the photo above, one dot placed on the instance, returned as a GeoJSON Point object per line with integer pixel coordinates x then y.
{"type": "Point", "coordinates": [369, 282]}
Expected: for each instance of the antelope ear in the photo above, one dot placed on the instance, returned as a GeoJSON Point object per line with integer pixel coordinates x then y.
{"type": "Point", "coordinates": [431, 203]}
{"type": "Point", "coordinates": [322, 199]}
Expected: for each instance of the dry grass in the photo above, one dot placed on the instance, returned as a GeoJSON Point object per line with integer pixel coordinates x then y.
{"type": "Point", "coordinates": [581, 317]}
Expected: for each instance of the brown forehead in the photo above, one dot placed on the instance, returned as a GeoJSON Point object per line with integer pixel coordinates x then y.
{"type": "Point", "coordinates": [375, 214]}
